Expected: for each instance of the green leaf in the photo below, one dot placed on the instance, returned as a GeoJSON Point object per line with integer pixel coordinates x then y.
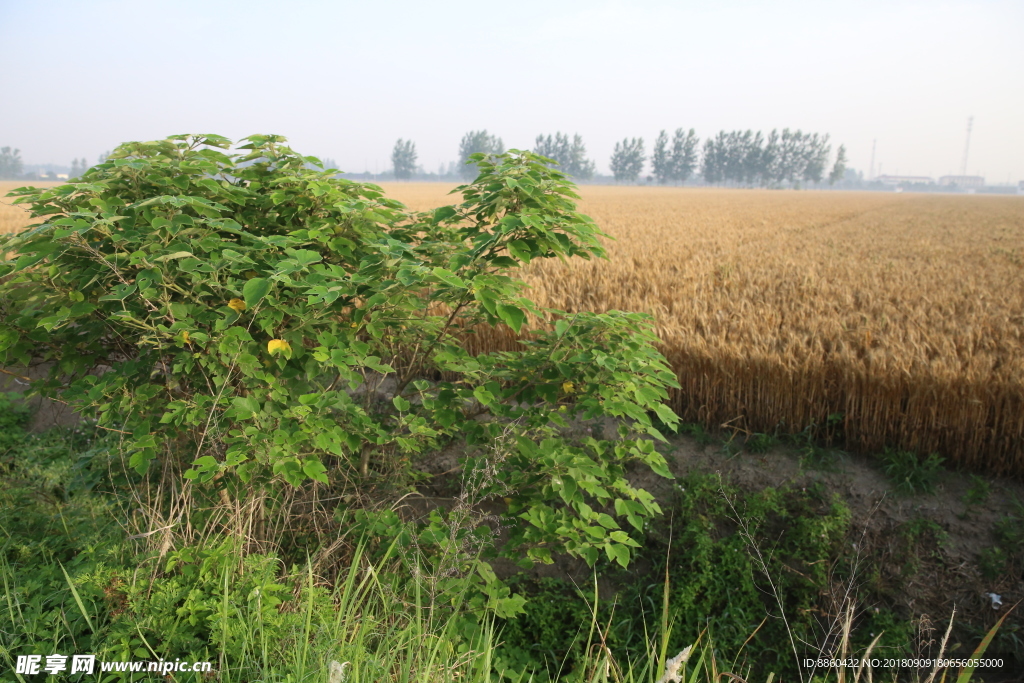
{"type": "Point", "coordinates": [401, 404]}
{"type": "Point", "coordinates": [513, 316]}
{"type": "Point", "coordinates": [245, 406]}
{"type": "Point", "coordinates": [519, 249]}
{"type": "Point", "coordinates": [666, 415]}
{"type": "Point", "coordinates": [618, 553]}
{"type": "Point", "coordinates": [444, 213]}
{"type": "Point", "coordinates": [254, 290]}
{"type": "Point", "coordinates": [448, 277]}
{"type": "Point", "coordinates": [315, 470]}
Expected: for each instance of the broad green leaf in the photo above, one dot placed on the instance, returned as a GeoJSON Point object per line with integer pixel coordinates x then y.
{"type": "Point", "coordinates": [485, 397]}
{"type": "Point", "coordinates": [520, 250]}
{"type": "Point", "coordinates": [618, 553]}
{"type": "Point", "coordinates": [513, 316]}
{"type": "Point", "coordinates": [245, 406]}
{"type": "Point", "coordinates": [448, 277]}
{"type": "Point", "coordinates": [315, 470]}
{"type": "Point", "coordinates": [254, 290]}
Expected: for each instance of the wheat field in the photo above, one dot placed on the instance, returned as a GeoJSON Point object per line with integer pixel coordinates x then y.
{"type": "Point", "coordinates": [902, 313]}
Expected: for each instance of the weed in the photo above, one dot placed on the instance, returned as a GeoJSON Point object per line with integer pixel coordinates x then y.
{"type": "Point", "coordinates": [1010, 529]}
{"type": "Point", "coordinates": [760, 443]}
{"type": "Point", "coordinates": [910, 474]}
{"type": "Point", "coordinates": [992, 562]}
{"type": "Point", "coordinates": [697, 431]}
{"type": "Point", "coordinates": [978, 492]}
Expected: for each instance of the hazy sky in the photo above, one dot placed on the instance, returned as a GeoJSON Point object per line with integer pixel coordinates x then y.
{"type": "Point", "coordinates": [346, 79]}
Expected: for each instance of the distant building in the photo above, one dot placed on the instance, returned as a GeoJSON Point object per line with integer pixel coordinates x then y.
{"type": "Point", "coordinates": [894, 180]}
{"type": "Point", "coordinates": [965, 181]}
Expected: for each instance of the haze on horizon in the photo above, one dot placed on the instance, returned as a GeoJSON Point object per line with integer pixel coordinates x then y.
{"type": "Point", "coordinates": [344, 80]}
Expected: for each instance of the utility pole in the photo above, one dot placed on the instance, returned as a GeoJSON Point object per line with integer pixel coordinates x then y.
{"type": "Point", "coordinates": [967, 146]}
{"type": "Point", "coordinates": [871, 171]}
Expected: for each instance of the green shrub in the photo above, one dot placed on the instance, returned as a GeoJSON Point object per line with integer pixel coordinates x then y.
{"type": "Point", "coordinates": [244, 314]}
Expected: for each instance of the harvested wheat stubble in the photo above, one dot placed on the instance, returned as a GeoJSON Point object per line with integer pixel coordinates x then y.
{"type": "Point", "coordinates": [903, 312]}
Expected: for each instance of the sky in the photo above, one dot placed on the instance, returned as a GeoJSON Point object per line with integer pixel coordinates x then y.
{"type": "Point", "coordinates": [344, 80]}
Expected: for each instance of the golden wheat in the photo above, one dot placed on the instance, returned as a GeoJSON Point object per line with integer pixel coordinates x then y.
{"type": "Point", "coordinates": [904, 313]}
{"type": "Point", "coordinates": [14, 218]}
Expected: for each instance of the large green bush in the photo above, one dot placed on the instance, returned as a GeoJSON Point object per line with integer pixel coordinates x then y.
{"type": "Point", "coordinates": [250, 314]}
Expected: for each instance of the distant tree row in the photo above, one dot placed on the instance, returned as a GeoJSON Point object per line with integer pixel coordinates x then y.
{"type": "Point", "coordinates": [13, 168]}
{"type": "Point", "coordinates": [78, 167]}
{"type": "Point", "coordinates": [571, 157]}
{"type": "Point", "coordinates": [10, 163]}
{"type": "Point", "coordinates": [773, 160]}
{"type": "Point", "coordinates": [737, 157]}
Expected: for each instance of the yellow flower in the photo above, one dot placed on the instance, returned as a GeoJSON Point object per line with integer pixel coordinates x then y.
{"type": "Point", "coordinates": [562, 409]}
{"type": "Point", "coordinates": [236, 305]}
{"type": "Point", "coordinates": [185, 338]}
{"type": "Point", "coordinates": [278, 346]}
{"type": "Point", "coordinates": [568, 387]}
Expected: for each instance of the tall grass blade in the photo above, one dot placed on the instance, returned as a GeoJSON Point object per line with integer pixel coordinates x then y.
{"type": "Point", "coordinates": [78, 600]}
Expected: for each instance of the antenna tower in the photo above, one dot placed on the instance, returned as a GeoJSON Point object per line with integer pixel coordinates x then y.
{"type": "Point", "coordinates": [967, 146]}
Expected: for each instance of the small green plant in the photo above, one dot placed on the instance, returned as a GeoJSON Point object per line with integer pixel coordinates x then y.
{"type": "Point", "coordinates": [760, 443]}
{"type": "Point", "coordinates": [697, 431]}
{"type": "Point", "coordinates": [992, 561]}
{"type": "Point", "coordinates": [909, 473]}
{"type": "Point", "coordinates": [919, 528]}
{"type": "Point", "coordinates": [1010, 529]}
{"type": "Point", "coordinates": [978, 492]}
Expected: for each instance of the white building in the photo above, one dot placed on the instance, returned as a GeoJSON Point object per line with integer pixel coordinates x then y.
{"type": "Point", "coordinates": [895, 180]}
{"type": "Point", "coordinates": [964, 181]}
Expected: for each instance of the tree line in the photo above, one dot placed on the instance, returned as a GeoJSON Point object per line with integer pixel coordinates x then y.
{"type": "Point", "coordinates": [10, 163]}
{"type": "Point", "coordinates": [746, 158]}
{"type": "Point", "coordinates": [12, 167]}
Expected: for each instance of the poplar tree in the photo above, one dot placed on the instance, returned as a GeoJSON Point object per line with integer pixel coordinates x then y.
{"type": "Point", "coordinates": [403, 159]}
{"type": "Point", "coordinates": [628, 159]}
